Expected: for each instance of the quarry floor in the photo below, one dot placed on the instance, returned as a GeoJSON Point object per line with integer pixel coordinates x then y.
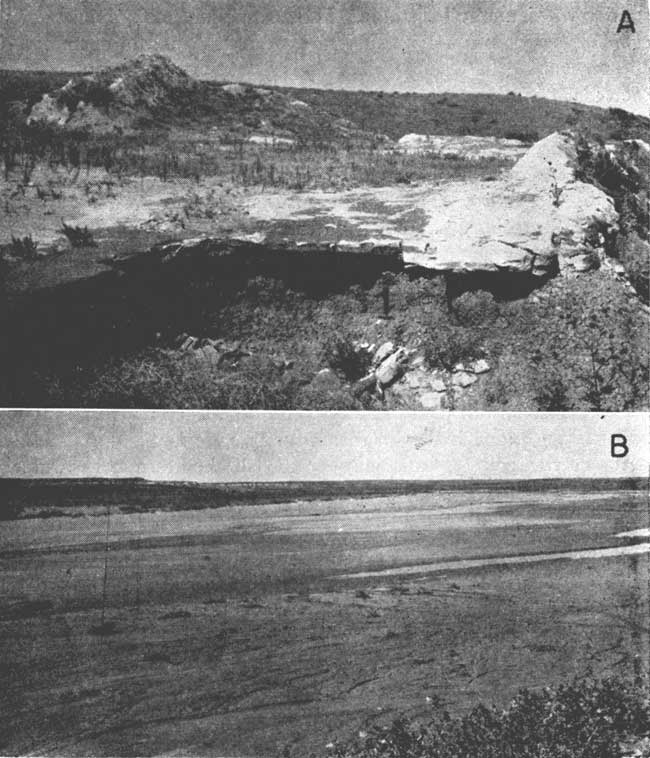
{"type": "Point", "coordinates": [253, 630]}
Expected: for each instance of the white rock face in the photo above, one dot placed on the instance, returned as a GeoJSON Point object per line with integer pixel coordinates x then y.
{"type": "Point", "coordinates": [554, 157]}
{"type": "Point", "coordinates": [535, 219]}
{"type": "Point", "coordinates": [537, 214]}
{"type": "Point", "coordinates": [465, 148]}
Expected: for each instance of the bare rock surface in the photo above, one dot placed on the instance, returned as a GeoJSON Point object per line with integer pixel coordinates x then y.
{"type": "Point", "coordinates": [536, 218]}
{"type": "Point", "coordinates": [465, 147]}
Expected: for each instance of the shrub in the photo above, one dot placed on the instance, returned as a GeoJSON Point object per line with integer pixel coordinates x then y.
{"type": "Point", "coordinates": [343, 355]}
{"type": "Point", "coordinates": [22, 247]}
{"type": "Point", "coordinates": [584, 719]}
{"type": "Point", "coordinates": [475, 308]}
{"type": "Point", "coordinates": [446, 344]}
{"type": "Point", "coordinates": [583, 347]}
{"type": "Point", "coordinates": [78, 237]}
{"type": "Point", "coordinates": [315, 399]}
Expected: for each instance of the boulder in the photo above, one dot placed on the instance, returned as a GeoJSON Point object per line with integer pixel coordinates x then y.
{"type": "Point", "coordinates": [463, 379]}
{"type": "Point", "coordinates": [480, 366]}
{"type": "Point", "coordinates": [383, 351]}
{"type": "Point", "coordinates": [531, 220]}
{"type": "Point", "coordinates": [366, 384]}
{"type": "Point", "coordinates": [391, 368]}
{"type": "Point", "coordinates": [189, 343]}
{"type": "Point", "coordinates": [437, 385]}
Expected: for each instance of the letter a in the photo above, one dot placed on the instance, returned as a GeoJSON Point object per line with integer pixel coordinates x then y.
{"type": "Point", "coordinates": [626, 23]}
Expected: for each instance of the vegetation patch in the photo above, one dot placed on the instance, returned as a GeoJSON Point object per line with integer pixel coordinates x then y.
{"type": "Point", "coordinates": [78, 237]}
{"type": "Point", "coordinates": [585, 719]}
{"type": "Point", "coordinates": [23, 248]}
{"type": "Point", "coordinates": [576, 344]}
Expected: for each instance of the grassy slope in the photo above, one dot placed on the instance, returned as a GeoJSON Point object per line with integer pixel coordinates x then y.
{"type": "Point", "coordinates": [512, 116]}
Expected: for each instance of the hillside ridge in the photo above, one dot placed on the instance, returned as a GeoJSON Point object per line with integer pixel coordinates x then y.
{"type": "Point", "coordinates": [153, 91]}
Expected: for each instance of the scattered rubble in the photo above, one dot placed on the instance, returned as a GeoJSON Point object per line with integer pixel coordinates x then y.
{"type": "Point", "coordinates": [404, 373]}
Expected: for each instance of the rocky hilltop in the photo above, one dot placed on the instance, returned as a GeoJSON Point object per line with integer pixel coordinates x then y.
{"type": "Point", "coordinates": [152, 91]}
{"type": "Point", "coordinates": [115, 98]}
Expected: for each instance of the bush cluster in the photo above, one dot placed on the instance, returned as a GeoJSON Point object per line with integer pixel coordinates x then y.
{"type": "Point", "coordinates": [582, 346]}
{"type": "Point", "coordinates": [584, 719]}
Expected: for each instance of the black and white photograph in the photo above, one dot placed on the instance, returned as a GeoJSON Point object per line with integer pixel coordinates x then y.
{"type": "Point", "coordinates": [333, 585]}
{"type": "Point", "coordinates": [233, 234]}
{"type": "Point", "coordinates": [339, 205]}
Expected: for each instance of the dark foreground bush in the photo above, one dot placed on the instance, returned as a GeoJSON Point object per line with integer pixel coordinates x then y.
{"type": "Point", "coordinates": [582, 345]}
{"type": "Point", "coordinates": [21, 247]}
{"type": "Point", "coordinates": [585, 719]}
{"type": "Point", "coordinates": [343, 355]}
{"type": "Point", "coordinates": [78, 237]}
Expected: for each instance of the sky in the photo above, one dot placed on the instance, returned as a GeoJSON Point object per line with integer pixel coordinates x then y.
{"type": "Point", "coordinates": [277, 446]}
{"type": "Point", "coordinates": [565, 49]}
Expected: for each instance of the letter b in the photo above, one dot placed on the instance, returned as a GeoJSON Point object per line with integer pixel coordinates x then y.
{"type": "Point", "coordinates": [619, 448]}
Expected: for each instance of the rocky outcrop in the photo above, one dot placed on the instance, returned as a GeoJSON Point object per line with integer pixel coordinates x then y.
{"type": "Point", "coordinates": [49, 111]}
{"type": "Point", "coordinates": [537, 218]}
{"type": "Point", "coordinates": [540, 217]}
{"type": "Point", "coordinates": [114, 98]}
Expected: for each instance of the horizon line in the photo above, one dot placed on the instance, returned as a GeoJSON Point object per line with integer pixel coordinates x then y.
{"type": "Point", "coordinates": [391, 480]}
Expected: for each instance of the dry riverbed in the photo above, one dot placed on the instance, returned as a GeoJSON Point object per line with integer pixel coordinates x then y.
{"type": "Point", "coordinates": [248, 630]}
